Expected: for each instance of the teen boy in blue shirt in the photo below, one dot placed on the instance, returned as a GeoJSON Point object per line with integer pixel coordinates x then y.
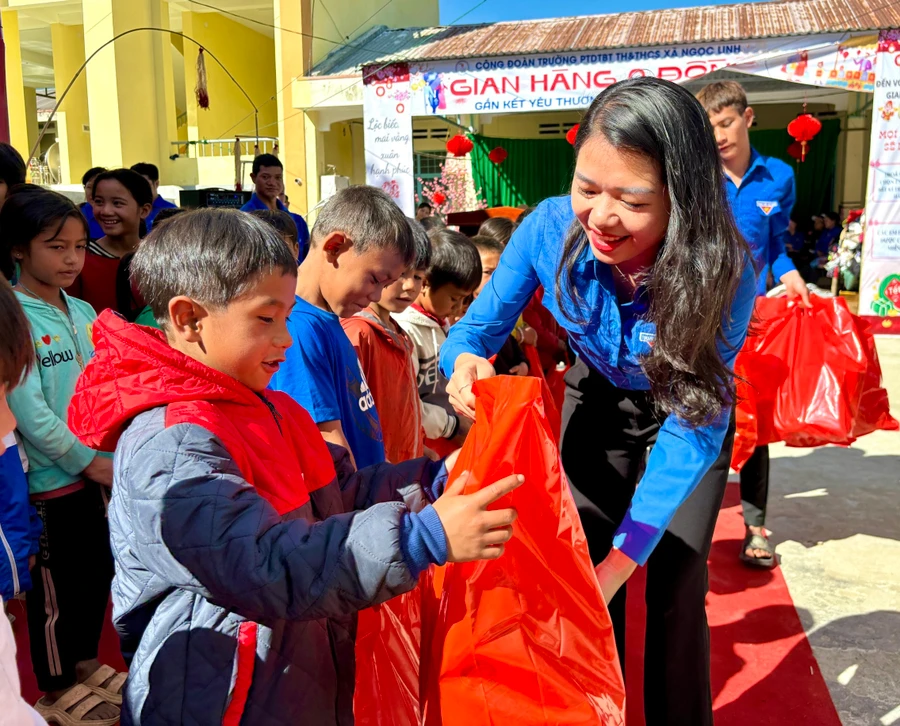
{"type": "Point", "coordinates": [762, 192]}
{"type": "Point", "coordinates": [268, 182]}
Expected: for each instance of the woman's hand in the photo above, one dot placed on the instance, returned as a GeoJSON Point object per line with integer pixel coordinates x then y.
{"type": "Point", "coordinates": [795, 287]}
{"type": "Point", "coordinates": [469, 368]}
{"type": "Point", "coordinates": [613, 572]}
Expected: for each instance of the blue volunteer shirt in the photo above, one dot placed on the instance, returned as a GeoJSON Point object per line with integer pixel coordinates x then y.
{"type": "Point", "coordinates": [762, 207]}
{"type": "Point", "coordinates": [612, 339]}
{"type": "Point", "coordinates": [96, 231]}
{"type": "Point", "coordinates": [158, 203]}
{"type": "Point", "coordinates": [256, 203]}
{"type": "Point", "coordinates": [322, 373]}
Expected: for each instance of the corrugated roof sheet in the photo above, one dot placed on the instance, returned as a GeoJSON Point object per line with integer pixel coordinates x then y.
{"type": "Point", "coordinates": [621, 30]}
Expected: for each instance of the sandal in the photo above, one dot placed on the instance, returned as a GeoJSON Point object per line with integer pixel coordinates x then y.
{"type": "Point", "coordinates": [71, 708]}
{"type": "Point", "coordinates": [112, 691]}
{"type": "Point", "coordinates": [757, 542]}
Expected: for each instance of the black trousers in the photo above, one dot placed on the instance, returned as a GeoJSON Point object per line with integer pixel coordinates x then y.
{"type": "Point", "coordinates": [67, 603]}
{"type": "Point", "coordinates": [605, 438]}
{"type": "Point", "coordinates": [755, 487]}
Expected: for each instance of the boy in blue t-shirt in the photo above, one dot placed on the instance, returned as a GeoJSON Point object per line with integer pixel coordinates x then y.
{"type": "Point", "coordinates": [361, 243]}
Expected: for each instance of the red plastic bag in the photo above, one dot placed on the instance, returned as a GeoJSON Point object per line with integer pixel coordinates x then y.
{"type": "Point", "coordinates": [553, 411]}
{"type": "Point", "coordinates": [522, 640]}
{"type": "Point", "coordinates": [388, 639]}
{"type": "Point", "coordinates": [813, 378]}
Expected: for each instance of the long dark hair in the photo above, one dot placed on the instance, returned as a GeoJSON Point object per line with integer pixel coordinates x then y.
{"type": "Point", "coordinates": [698, 270]}
{"type": "Point", "coordinates": [137, 186]}
{"type": "Point", "coordinates": [28, 211]}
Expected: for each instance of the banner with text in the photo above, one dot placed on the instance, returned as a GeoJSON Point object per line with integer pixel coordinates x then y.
{"type": "Point", "coordinates": [388, 133]}
{"type": "Point", "coordinates": [572, 80]}
{"type": "Point", "coordinates": [880, 275]}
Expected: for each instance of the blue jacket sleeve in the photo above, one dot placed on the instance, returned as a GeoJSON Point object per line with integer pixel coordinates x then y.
{"type": "Point", "coordinates": [494, 314]}
{"type": "Point", "coordinates": [778, 228]}
{"type": "Point", "coordinates": [682, 456]}
{"type": "Point", "coordinates": [417, 483]}
{"type": "Point", "coordinates": [18, 536]}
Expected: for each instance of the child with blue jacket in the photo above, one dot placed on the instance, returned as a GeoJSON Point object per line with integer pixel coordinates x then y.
{"type": "Point", "coordinates": [43, 237]}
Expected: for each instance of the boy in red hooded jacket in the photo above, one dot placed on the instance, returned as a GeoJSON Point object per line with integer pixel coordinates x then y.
{"type": "Point", "coordinates": [241, 558]}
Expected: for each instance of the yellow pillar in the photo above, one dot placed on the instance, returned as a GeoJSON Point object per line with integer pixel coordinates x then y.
{"type": "Point", "coordinates": [31, 120]}
{"type": "Point", "coordinates": [127, 101]}
{"type": "Point", "coordinates": [72, 120]}
{"type": "Point", "coordinates": [292, 57]}
{"type": "Point", "coordinates": [15, 86]}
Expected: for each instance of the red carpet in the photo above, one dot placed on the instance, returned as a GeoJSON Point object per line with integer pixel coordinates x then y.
{"type": "Point", "coordinates": [763, 669]}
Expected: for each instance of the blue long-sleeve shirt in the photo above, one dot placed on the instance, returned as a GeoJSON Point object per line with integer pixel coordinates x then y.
{"type": "Point", "coordinates": [612, 341]}
{"type": "Point", "coordinates": [762, 207]}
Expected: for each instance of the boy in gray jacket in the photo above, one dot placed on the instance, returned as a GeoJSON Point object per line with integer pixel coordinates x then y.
{"type": "Point", "coordinates": [244, 545]}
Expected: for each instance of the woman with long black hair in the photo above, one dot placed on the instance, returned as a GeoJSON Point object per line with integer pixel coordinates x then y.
{"type": "Point", "coordinates": [655, 287]}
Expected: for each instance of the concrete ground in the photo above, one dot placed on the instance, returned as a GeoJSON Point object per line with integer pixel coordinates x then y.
{"type": "Point", "coordinates": [834, 514]}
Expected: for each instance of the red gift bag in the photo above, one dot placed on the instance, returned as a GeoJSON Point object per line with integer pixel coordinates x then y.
{"type": "Point", "coordinates": [525, 639]}
{"type": "Point", "coordinates": [534, 369]}
{"type": "Point", "coordinates": [812, 377]}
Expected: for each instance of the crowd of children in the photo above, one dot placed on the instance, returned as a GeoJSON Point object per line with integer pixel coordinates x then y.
{"type": "Point", "coordinates": [251, 442]}
{"type": "Point", "coordinates": [237, 519]}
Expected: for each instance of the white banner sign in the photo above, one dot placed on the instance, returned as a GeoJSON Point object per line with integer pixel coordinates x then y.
{"type": "Point", "coordinates": [388, 133]}
{"type": "Point", "coordinates": [880, 276]}
{"type": "Point", "coordinates": [573, 80]}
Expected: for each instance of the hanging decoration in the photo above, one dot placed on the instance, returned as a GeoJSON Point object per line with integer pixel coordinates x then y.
{"type": "Point", "coordinates": [803, 129]}
{"type": "Point", "coordinates": [460, 145]}
{"type": "Point", "coordinates": [438, 198]}
{"type": "Point", "coordinates": [572, 133]}
{"type": "Point", "coordinates": [498, 155]}
{"type": "Point", "coordinates": [201, 90]}
{"type": "Point", "coordinates": [795, 150]}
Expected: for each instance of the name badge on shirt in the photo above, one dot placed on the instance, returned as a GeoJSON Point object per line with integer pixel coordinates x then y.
{"type": "Point", "coordinates": [767, 207]}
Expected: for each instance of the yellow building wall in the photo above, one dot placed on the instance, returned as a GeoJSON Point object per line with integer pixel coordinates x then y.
{"type": "Point", "coordinates": [132, 113]}
{"type": "Point", "coordinates": [72, 116]}
{"type": "Point", "coordinates": [293, 56]}
{"type": "Point", "coordinates": [250, 57]}
{"type": "Point", "coordinates": [19, 126]}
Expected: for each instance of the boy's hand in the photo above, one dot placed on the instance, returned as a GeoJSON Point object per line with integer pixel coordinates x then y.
{"type": "Point", "coordinates": [473, 532]}
{"type": "Point", "coordinates": [100, 470]}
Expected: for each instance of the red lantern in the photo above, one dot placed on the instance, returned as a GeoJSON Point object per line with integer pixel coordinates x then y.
{"type": "Point", "coordinates": [803, 129]}
{"type": "Point", "coordinates": [795, 150]}
{"type": "Point", "coordinates": [572, 133]}
{"type": "Point", "coordinates": [498, 155]}
{"type": "Point", "coordinates": [460, 145]}
{"type": "Point", "coordinates": [438, 198]}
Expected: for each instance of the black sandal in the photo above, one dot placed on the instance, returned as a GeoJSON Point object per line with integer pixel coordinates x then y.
{"type": "Point", "coordinates": [757, 542]}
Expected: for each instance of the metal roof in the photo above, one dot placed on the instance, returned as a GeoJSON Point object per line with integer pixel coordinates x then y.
{"type": "Point", "coordinates": [620, 30]}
